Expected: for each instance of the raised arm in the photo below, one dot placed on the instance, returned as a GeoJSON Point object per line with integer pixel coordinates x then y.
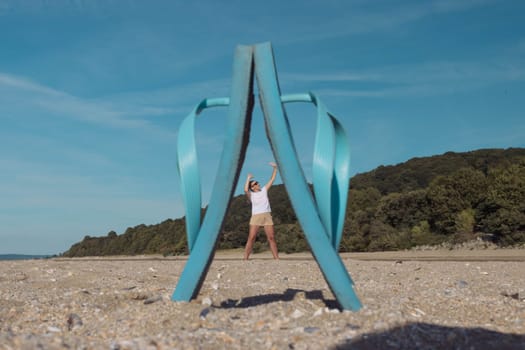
{"type": "Point", "coordinates": [272, 178]}
{"type": "Point", "coordinates": [247, 185]}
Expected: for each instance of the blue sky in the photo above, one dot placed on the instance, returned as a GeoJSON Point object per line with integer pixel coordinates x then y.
{"type": "Point", "coordinates": [92, 93]}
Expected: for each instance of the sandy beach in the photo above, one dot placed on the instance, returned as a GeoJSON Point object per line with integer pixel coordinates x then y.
{"type": "Point", "coordinates": [472, 299]}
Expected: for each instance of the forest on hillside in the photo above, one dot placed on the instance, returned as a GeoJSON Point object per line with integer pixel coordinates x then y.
{"type": "Point", "coordinates": [453, 197]}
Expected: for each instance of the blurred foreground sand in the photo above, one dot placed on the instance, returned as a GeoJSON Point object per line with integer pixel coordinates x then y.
{"type": "Point", "coordinates": [411, 300]}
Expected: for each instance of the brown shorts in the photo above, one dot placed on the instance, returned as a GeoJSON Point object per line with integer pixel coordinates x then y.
{"type": "Point", "coordinates": [261, 219]}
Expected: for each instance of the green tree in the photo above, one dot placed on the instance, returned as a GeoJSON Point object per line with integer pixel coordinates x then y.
{"type": "Point", "coordinates": [382, 237]}
{"type": "Point", "coordinates": [446, 198]}
{"type": "Point", "coordinates": [421, 234]}
{"type": "Point", "coordinates": [360, 211]}
{"type": "Point", "coordinates": [503, 212]}
{"type": "Point", "coordinates": [355, 236]}
{"type": "Point", "coordinates": [465, 222]}
{"type": "Point", "coordinates": [403, 210]}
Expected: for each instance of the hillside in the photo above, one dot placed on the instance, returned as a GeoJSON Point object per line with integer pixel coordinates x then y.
{"type": "Point", "coordinates": [417, 173]}
{"type": "Point", "coordinates": [451, 197]}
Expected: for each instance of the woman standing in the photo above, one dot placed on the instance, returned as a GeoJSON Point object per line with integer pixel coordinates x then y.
{"type": "Point", "coordinates": [261, 213]}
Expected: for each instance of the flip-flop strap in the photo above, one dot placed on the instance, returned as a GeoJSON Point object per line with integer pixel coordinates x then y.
{"type": "Point", "coordinates": [330, 169]}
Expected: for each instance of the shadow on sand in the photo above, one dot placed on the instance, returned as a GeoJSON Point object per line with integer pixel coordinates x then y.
{"type": "Point", "coordinates": [410, 336]}
{"type": "Point", "coordinates": [430, 336]}
{"type": "Point", "coordinates": [288, 295]}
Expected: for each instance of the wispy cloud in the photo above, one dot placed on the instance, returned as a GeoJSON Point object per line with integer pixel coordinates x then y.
{"type": "Point", "coordinates": [430, 78]}
{"type": "Point", "coordinates": [61, 6]}
{"type": "Point", "coordinates": [331, 77]}
{"type": "Point", "coordinates": [124, 111]}
{"type": "Point", "coordinates": [65, 105]}
{"type": "Point", "coordinates": [369, 17]}
{"type": "Point", "coordinates": [174, 99]}
{"type": "Point", "coordinates": [21, 83]}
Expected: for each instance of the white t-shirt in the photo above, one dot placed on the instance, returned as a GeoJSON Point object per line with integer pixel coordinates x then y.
{"type": "Point", "coordinates": [260, 202]}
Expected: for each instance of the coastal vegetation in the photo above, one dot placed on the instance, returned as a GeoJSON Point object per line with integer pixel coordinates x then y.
{"type": "Point", "coordinates": [453, 197]}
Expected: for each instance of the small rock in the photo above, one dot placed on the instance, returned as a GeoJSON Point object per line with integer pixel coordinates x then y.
{"type": "Point", "coordinates": [352, 326]}
{"type": "Point", "coordinates": [124, 345]}
{"type": "Point", "coordinates": [301, 295]}
{"type": "Point", "coordinates": [204, 313]}
{"type": "Point", "coordinates": [311, 329]}
{"type": "Point", "coordinates": [419, 311]}
{"type": "Point", "coordinates": [318, 312]}
{"type": "Point", "coordinates": [53, 329]}
{"type": "Point", "coordinates": [206, 301]}
{"type": "Point", "coordinates": [73, 321]}
{"type": "Point", "coordinates": [462, 284]}
{"type": "Point", "coordinates": [518, 296]}
{"type": "Point", "coordinates": [297, 313]}
{"type": "Point", "coordinates": [153, 299]}
{"type": "Point", "coordinates": [137, 296]}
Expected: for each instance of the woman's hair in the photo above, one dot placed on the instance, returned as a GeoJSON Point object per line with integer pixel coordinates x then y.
{"type": "Point", "coordinates": [250, 184]}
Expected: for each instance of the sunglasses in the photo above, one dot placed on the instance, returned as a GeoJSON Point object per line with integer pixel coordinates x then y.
{"type": "Point", "coordinates": [254, 184]}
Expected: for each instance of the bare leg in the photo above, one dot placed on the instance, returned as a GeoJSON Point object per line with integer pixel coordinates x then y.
{"type": "Point", "coordinates": [251, 239]}
{"type": "Point", "coordinates": [270, 235]}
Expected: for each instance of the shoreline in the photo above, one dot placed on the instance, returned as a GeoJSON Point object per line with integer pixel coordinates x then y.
{"type": "Point", "coordinates": [501, 254]}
